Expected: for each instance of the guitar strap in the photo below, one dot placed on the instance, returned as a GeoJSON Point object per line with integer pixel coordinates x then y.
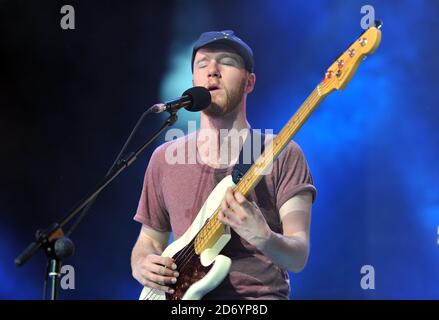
{"type": "Point", "coordinates": [255, 142]}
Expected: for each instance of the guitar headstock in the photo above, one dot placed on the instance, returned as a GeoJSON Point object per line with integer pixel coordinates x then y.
{"type": "Point", "coordinates": [341, 71]}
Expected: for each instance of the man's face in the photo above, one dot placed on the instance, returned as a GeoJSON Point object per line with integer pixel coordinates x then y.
{"type": "Point", "coordinates": [221, 70]}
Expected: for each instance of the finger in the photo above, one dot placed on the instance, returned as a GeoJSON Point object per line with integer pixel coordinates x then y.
{"type": "Point", "coordinates": [163, 270]}
{"type": "Point", "coordinates": [244, 203]}
{"type": "Point", "coordinates": [229, 196]}
{"type": "Point", "coordinates": [240, 198]}
{"type": "Point", "coordinates": [241, 207]}
{"type": "Point", "coordinates": [233, 217]}
{"type": "Point", "coordinates": [225, 219]}
{"type": "Point", "coordinates": [236, 215]}
{"type": "Point", "coordinates": [224, 205]}
{"type": "Point", "coordinates": [153, 285]}
{"type": "Point", "coordinates": [222, 217]}
{"type": "Point", "coordinates": [160, 280]}
{"type": "Point", "coordinates": [164, 261]}
{"type": "Point", "coordinates": [231, 201]}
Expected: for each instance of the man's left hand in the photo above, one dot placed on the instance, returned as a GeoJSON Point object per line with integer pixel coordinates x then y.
{"type": "Point", "coordinates": [245, 218]}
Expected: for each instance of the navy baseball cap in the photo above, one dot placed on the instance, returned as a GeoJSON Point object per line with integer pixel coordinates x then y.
{"type": "Point", "coordinates": [228, 38]}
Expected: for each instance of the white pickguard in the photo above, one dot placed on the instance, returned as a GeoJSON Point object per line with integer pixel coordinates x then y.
{"type": "Point", "coordinates": [221, 264]}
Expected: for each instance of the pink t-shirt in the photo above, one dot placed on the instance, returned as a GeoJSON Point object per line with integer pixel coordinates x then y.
{"type": "Point", "coordinates": [173, 194]}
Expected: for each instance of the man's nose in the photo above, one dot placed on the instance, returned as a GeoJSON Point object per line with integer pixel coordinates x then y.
{"type": "Point", "coordinates": [213, 70]}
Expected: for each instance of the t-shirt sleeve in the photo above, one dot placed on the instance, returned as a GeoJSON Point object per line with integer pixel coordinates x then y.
{"type": "Point", "coordinates": [292, 174]}
{"type": "Point", "coordinates": [151, 210]}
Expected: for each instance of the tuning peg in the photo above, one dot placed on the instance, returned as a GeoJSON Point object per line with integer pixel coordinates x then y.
{"type": "Point", "coordinates": [378, 23]}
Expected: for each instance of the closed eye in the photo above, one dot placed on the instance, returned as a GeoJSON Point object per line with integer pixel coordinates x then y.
{"type": "Point", "coordinates": [229, 61]}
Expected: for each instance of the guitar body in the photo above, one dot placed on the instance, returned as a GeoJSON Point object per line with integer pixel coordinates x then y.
{"type": "Point", "coordinates": [199, 274]}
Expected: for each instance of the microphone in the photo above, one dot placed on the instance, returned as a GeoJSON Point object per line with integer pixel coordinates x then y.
{"type": "Point", "coordinates": [194, 99]}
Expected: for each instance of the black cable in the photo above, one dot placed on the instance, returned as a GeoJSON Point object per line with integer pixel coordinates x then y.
{"type": "Point", "coordinates": [45, 281]}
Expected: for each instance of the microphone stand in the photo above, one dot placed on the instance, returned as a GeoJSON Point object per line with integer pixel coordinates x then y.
{"type": "Point", "coordinates": [52, 239]}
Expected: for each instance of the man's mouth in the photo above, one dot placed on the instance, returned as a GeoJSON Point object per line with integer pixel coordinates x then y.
{"type": "Point", "coordinates": [213, 88]}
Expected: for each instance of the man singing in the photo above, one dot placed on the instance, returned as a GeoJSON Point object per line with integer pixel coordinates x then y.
{"type": "Point", "coordinates": [269, 228]}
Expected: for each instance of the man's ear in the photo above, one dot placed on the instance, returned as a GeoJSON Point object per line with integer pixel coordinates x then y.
{"type": "Point", "coordinates": [251, 81]}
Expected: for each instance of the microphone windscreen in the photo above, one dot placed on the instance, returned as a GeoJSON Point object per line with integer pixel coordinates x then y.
{"type": "Point", "coordinates": [64, 248]}
{"type": "Point", "coordinates": [200, 97]}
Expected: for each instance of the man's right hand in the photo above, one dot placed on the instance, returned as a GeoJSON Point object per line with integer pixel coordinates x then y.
{"type": "Point", "coordinates": [156, 272]}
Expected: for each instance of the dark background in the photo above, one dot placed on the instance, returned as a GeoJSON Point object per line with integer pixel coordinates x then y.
{"type": "Point", "coordinates": [69, 98]}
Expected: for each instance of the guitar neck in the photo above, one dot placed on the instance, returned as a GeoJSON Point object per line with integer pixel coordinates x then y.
{"type": "Point", "coordinates": [272, 151]}
{"type": "Point", "coordinates": [214, 228]}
